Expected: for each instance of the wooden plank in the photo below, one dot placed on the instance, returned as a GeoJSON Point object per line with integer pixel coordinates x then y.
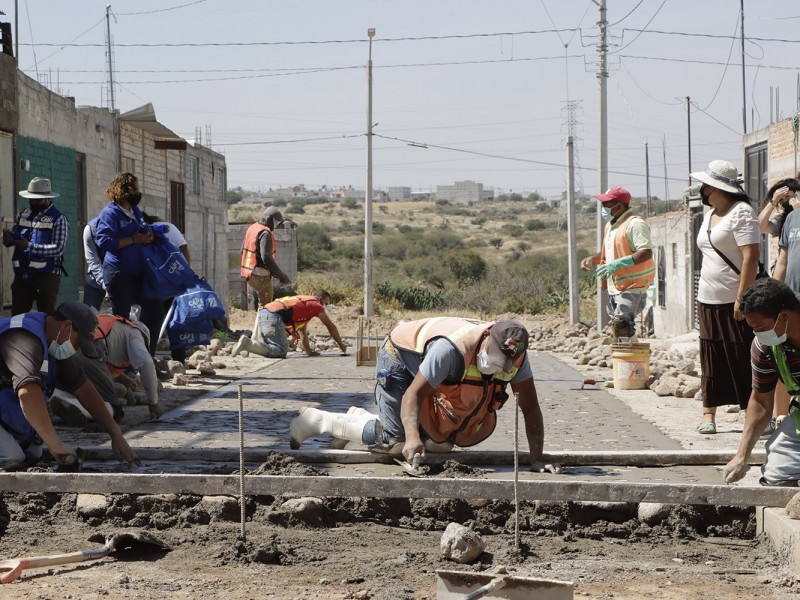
{"type": "Point", "coordinates": [548, 490]}
{"type": "Point", "coordinates": [646, 458]}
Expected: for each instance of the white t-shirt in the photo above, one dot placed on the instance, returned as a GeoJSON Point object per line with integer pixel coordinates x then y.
{"type": "Point", "coordinates": [173, 234]}
{"type": "Point", "coordinates": [719, 284]}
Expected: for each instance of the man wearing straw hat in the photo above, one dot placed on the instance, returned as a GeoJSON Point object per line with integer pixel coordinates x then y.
{"type": "Point", "coordinates": [625, 261]}
{"type": "Point", "coordinates": [38, 236]}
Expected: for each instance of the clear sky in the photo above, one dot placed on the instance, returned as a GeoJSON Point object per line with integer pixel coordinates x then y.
{"type": "Point", "coordinates": [490, 77]}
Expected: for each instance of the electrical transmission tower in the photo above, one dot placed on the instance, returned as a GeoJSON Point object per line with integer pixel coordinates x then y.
{"type": "Point", "coordinates": [571, 107]}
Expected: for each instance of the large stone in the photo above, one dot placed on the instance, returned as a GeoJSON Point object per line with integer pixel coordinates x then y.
{"type": "Point", "coordinates": [307, 509]}
{"type": "Point", "coordinates": [215, 346]}
{"type": "Point", "coordinates": [461, 544]}
{"type": "Point", "coordinates": [653, 513]}
{"type": "Point", "coordinates": [174, 367]}
{"type": "Point", "coordinates": [793, 508]}
{"type": "Point", "coordinates": [91, 505]}
{"type": "Point", "coordinates": [179, 379]}
{"type": "Point", "coordinates": [222, 508]}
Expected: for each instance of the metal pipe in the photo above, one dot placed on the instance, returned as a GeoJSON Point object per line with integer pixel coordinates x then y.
{"type": "Point", "coordinates": [242, 499]}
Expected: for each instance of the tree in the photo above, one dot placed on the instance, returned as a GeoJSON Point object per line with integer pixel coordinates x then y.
{"type": "Point", "coordinates": [467, 267]}
{"type": "Point", "coordinates": [534, 224]}
{"type": "Point", "coordinates": [349, 203]}
{"type": "Point", "coordinates": [535, 197]}
{"type": "Point", "coordinates": [235, 195]}
{"type": "Point", "coordinates": [515, 197]}
{"type": "Point", "coordinates": [496, 242]}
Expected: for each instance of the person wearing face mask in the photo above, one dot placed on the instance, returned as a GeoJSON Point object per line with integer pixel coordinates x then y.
{"type": "Point", "coordinates": [121, 232]}
{"type": "Point", "coordinates": [288, 317]}
{"type": "Point", "coordinates": [38, 237]}
{"type": "Point", "coordinates": [625, 261]}
{"type": "Point", "coordinates": [728, 239]}
{"type": "Point", "coordinates": [37, 352]}
{"type": "Point", "coordinates": [440, 382]}
{"type": "Point", "coordinates": [258, 265]}
{"type": "Point", "coordinates": [772, 309]}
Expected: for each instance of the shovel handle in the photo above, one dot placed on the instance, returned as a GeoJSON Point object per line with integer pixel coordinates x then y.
{"type": "Point", "coordinates": [15, 566]}
{"type": "Point", "coordinates": [494, 584]}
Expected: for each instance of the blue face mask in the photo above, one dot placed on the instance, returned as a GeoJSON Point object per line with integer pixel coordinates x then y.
{"type": "Point", "coordinates": [605, 213]}
{"type": "Point", "coordinates": [63, 350]}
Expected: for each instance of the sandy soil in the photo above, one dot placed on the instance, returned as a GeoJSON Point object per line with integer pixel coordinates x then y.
{"type": "Point", "coordinates": [341, 548]}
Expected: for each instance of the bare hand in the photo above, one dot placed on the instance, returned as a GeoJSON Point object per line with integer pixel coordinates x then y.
{"type": "Point", "coordinates": [781, 195]}
{"type": "Point", "coordinates": [586, 263]}
{"type": "Point", "coordinates": [411, 448]}
{"type": "Point", "coordinates": [21, 243]}
{"type": "Point", "coordinates": [737, 314]}
{"type": "Point", "coordinates": [312, 353]}
{"type": "Point", "coordinates": [539, 466]}
{"type": "Point", "coordinates": [64, 455]}
{"type": "Point", "coordinates": [124, 452]}
{"type": "Point", "coordinates": [286, 281]}
{"type": "Point", "coordinates": [735, 470]}
{"type": "Point", "coordinates": [156, 410]}
{"type": "Point", "coordinates": [145, 237]}
{"type": "Point", "coordinates": [6, 235]}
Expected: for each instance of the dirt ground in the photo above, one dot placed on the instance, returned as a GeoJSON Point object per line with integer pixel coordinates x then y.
{"type": "Point", "coordinates": [374, 549]}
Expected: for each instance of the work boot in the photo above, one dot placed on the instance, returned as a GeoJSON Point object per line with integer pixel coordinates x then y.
{"type": "Point", "coordinates": [242, 344]}
{"type": "Point", "coordinates": [312, 421]}
{"type": "Point", "coordinates": [340, 443]}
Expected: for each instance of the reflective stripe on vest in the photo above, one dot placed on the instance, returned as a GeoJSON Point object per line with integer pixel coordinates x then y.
{"type": "Point", "coordinates": [37, 229]}
{"type": "Point", "coordinates": [640, 275]}
{"type": "Point", "coordinates": [250, 248]}
{"type": "Point", "coordinates": [462, 413]}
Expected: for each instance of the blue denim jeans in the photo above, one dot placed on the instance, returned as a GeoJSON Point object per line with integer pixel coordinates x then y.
{"type": "Point", "coordinates": [270, 332]}
{"type": "Point", "coordinates": [393, 379]}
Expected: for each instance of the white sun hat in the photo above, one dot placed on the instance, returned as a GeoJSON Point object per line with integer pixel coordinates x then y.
{"type": "Point", "coordinates": [722, 175]}
{"type": "Point", "coordinates": [39, 187]}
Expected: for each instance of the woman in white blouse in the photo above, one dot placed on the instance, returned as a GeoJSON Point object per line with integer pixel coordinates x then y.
{"type": "Point", "coordinates": [729, 240]}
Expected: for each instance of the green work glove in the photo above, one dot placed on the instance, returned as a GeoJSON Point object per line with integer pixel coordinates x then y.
{"type": "Point", "coordinates": [607, 270]}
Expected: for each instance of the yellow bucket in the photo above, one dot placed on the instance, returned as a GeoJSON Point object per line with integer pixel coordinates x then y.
{"type": "Point", "coordinates": [631, 366]}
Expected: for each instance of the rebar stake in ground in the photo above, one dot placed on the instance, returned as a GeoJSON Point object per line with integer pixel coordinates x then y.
{"type": "Point", "coordinates": [516, 471]}
{"type": "Point", "coordinates": [242, 503]}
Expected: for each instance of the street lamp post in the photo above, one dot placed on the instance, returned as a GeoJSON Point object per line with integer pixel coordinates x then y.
{"type": "Point", "coordinates": [368, 191]}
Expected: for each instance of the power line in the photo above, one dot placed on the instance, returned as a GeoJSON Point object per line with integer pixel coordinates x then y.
{"type": "Point", "coordinates": [320, 42]}
{"type": "Point", "coordinates": [160, 10]}
{"type": "Point", "coordinates": [628, 15]}
{"type": "Point", "coordinates": [727, 62]}
{"type": "Point", "coordinates": [318, 139]}
{"type": "Point", "coordinates": [713, 118]}
{"type": "Point", "coordinates": [643, 30]}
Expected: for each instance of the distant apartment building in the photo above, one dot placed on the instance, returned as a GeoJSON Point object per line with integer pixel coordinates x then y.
{"type": "Point", "coordinates": [398, 193]}
{"type": "Point", "coordinates": [296, 191]}
{"type": "Point", "coordinates": [463, 192]}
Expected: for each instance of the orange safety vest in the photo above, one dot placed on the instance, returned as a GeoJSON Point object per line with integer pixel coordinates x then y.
{"type": "Point", "coordinates": [250, 248]}
{"type": "Point", "coordinates": [462, 413]}
{"type": "Point", "coordinates": [104, 324]}
{"type": "Point", "coordinates": [285, 308]}
{"type": "Point", "coordinates": [640, 275]}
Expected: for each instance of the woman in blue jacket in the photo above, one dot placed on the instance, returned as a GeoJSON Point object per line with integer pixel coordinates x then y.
{"type": "Point", "coordinates": [121, 233]}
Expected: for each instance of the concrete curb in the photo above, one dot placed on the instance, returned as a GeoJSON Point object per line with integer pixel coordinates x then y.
{"type": "Point", "coordinates": [783, 533]}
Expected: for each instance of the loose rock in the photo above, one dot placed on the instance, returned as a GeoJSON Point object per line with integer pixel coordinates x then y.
{"type": "Point", "coordinates": [461, 544]}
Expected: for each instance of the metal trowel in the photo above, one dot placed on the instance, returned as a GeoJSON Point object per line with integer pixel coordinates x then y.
{"type": "Point", "coordinates": [414, 469]}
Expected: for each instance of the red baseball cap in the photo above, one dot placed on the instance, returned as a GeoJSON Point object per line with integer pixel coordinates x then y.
{"type": "Point", "coordinates": [615, 193]}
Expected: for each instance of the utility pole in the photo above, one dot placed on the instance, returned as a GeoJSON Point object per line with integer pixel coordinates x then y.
{"type": "Point", "coordinates": [602, 76]}
{"type": "Point", "coordinates": [574, 291]}
{"type": "Point", "coordinates": [16, 32]}
{"type": "Point", "coordinates": [689, 133]}
{"type": "Point", "coordinates": [368, 191]}
{"type": "Point", "coordinates": [647, 178]}
{"type": "Point", "coordinates": [744, 82]}
{"type": "Point", "coordinates": [110, 64]}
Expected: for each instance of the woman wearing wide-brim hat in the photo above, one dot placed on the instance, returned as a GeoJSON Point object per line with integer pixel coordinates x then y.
{"type": "Point", "coordinates": [729, 240]}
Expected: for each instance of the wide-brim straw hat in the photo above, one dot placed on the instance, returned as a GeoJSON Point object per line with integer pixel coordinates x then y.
{"type": "Point", "coordinates": [39, 187]}
{"type": "Point", "coordinates": [722, 175]}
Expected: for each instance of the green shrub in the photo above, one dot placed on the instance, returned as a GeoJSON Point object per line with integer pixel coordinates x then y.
{"type": "Point", "coordinates": [295, 209]}
{"type": "Point", "coordinates": [410, 297]}
{"type": "Point", "coordinates": [535, 225]}
{"type": "Point", "coordinates": [349, 203]}
{"type": "Point", "coordinates": [466, 267]}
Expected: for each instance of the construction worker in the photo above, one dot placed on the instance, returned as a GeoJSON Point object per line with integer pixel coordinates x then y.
{"type": "Point", "coordinates": [440, 382]}
{"type": "Point", "coordinates": [37, 351]}
{"type": "Point", "coordinates": [772, 309]}
{"type": "Point", "coordinates": [258, 256]}
{"type": "Point", "coordinates": [121, 345]}
{"type": "Point", "coordinates": [288, 317]}
{"type": "Point", "coordinates": [625, 260]}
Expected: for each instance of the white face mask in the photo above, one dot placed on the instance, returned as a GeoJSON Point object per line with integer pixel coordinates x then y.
{"type": "Point", "coordinates": [330, 309]}
{"type": "Point", "coordinates": [605, 213]}
{"type": "Point", "coordinates": [770, 338]}
{"type": "Point", "coordinates": [63, 350]}
{"type": "Point", "coordinates": [485, 365]}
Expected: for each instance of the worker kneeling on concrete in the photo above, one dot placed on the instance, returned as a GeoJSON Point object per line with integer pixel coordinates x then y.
{"type": "Point", "coordinates": [773, 311]}
{"type": "Point", "coordinates": [36, 352]}
{"type": "Point", "coordinates": [285, 317]}
{"type": "Point", "coordinates": [119, 345]}
{"type": "Point", "coordinates": [440, 384]}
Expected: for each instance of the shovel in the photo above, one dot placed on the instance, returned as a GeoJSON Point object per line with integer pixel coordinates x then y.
{"type": "Point", "coordinates": [135, 543]}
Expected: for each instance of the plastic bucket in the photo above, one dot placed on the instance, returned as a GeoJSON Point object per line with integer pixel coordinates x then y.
{"type": "Point", "coordinates": [631, 366]}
